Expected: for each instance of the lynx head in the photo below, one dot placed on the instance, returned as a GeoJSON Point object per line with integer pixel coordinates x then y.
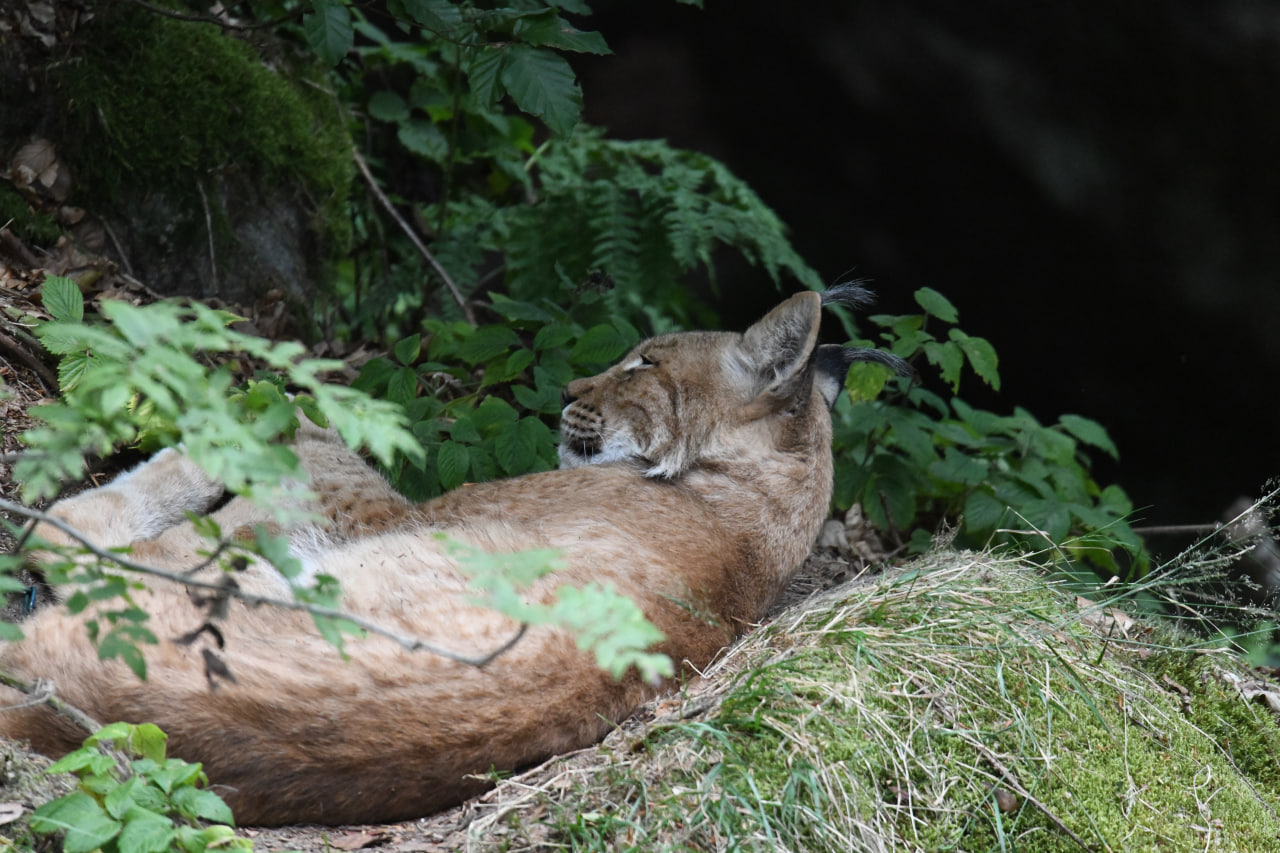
{"type": "Point", "coordinates": [679, 400]}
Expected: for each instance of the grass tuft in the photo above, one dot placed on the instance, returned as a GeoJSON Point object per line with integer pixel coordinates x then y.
{"type": "Point", "coordinates": [961, 703]}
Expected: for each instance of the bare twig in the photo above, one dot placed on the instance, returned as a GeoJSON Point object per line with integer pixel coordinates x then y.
{"type": "Point", "coordinates": [115, 241]}
{"type": "Point", "coordinates": [22, 354]}
{"type": "Point", "coordinates": [208, 19]}
{"type": "Point", "coordinates": [408, 642]}
{"type": "Point", "coordinates": [208, 224]}
{"type": "Point", "coordinates": [43, 692]}
{"type": "Point", "coordinates": [413, 237]}
{"type": "Point", "coordinates": [1168, 529]}
{"type": "Point", "coordinates": [1007, 777]}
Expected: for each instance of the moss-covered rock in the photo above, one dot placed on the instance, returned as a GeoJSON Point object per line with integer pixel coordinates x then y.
{"type": "Point", "coordinates": [961, 704]}
{"type": "Point", "coordinates": [220, 166]}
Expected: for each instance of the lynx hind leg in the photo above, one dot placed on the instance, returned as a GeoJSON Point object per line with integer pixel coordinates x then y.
{"type": "Point", "coordinates": [138, 505]}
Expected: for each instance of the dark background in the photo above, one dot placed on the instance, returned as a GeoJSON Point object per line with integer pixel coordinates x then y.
{"type": "Point", "coordinates": [1095, 186]}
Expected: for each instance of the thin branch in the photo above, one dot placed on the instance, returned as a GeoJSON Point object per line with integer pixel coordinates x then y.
{"type": "Point", "coordinates": [22, 354]}
{"type": "Point", "coordinates": [209, 19]}
{"type": "Point", "coordinates": [208, 224]}
{"type": "Point", "coordinates": [413, 237]}
{"type": "Point", "coordinates": [43, 692]}
{"type": "Point", "coordinates": [408, 642]}
{"type": "Point", "coordinates": [1167, 529]}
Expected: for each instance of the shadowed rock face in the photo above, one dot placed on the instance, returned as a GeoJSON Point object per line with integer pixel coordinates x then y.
{"type": "Point", "coordinates": [212, 210]}
{"type": "Point", "coordinates": [1096, 191]}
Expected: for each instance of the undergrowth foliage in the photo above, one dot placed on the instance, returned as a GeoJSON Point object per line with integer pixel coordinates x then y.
{"type": "Point", "coordinates": [914, 458]}
{"type": "Point", "coordinates": [132, 798]}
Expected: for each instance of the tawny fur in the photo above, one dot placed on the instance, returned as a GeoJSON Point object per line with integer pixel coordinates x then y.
{"type": "Point", "coordinates": [695, 476]}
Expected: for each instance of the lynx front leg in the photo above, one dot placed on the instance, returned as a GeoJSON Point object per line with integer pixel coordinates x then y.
{"type": "Point", "coordinates": [138, 505]}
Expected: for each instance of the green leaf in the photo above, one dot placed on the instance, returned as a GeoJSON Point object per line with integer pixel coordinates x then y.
{"type": "Point", "coordinates": [517, 448]}
{"type": "Point", "coordinates": [600, 344]}
{"type": "Point", "coordinates": [452, 461]}
{"type": "Point", "coordinates": [936, 304]}
{"type": "Point", "coordinates": [422, 137]}
{"type": "Point", "coordinates": [949, 358]}
{"type": "Point", "coordinates": [982, 512]}
{"type": "Point", "coordinates": [486, 342]}
{"type": "Point", "coordinates": [407, 349]}
{"type": "Point", "coordinates": [981, 355]}
{"type": "Point", "coordinates": [87, 825]}
{"type": "Point", "coordinates": [62, 299]}
{"type": "Point", "coordinates": [865, 380]}
{"type": "Point", "coordinates": [145, 831]}
{"type": "Point", "coordinates": [439, 16]}
{"type": "Point", "coordinates": [403, 385]}
{"type": "Point", "coordinates": [542, 84]}
{"type": "Point", "coordinates": [551, 30]}
{"type": "Point", "coordinates": [149, 741]}
{"type": "Point", "coordinates": [493, 416]}
{"type": "Point", "coordinates": [202, 804]}
{"type": "Point", "coordinates": [484, 74]}
{"type": "Point", "coordinates": [72, 369]}
{"type": "Point", "coordinates": [329, 31]}
{"type": "Point", "coordinates": [388, 106]}
{"type": "Point", "coordinates": [1090, 432]}
{"type": "Point", "coordinates": [554, 335]}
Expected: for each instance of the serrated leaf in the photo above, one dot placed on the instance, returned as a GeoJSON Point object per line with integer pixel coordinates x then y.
{"type": "Point", "coordinates": [542, 84]}
{"type": "Point", "coordinates": [328, 30]}
{"type": "Point", "coordinates": [550, 30]}
{"type": "Point", "coordinates": [936, 304]}
{"type": "Point", "coordinates": [599, 345]}
{"type": "Point", "coordinates": [486, 342]}
{"type": "Point", "coordinates": [865, 380]}
{"type": "Point", "coordinates": [493, 416]}
{"type": "Point", "coordinates": [422, 137]}
{"type": "Point", "coordinates": [1090, 432]}
{"type": "Point", "coordinates": [407, 349]}
{"type": "Point", "coordinates": [72, 369]}
{"type": "Point", "coordinates": [202, 804]}
{"type": "Point", "coordinates": [484, 74]}
{"type": "Point", "coordinates": [145, 831]}
{"type": "Point", "coordinates": [452, 462]}
{"type": "Point", "coordinates": [374, 375]}
{"type": "Point", "coordinates": [554, 335]}
{"type": "Point", "coordinates": [982, 357]}
{"type": "Point", "coordinates": [983, 512]}
{"type": "Point", "coordinates": [439, 16]}
{"type": "Point", "coordinates": [62, 299]}
{"type": "Point", "coordinates": [516, 448]}
{"type": "Point", "coordinates": [949, 359]}
{"type": "Point", "coordinates": [388, 106]}
{"type": "Point", "coordinates": [403, 385]}
{"type": "Point", "coordinates": [88, 827]}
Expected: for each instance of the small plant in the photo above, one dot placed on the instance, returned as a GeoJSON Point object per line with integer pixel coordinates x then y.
{"type": "Point", "coordinates": [915, 456]}
{"type": "Point", "coordinates": [132, 799]}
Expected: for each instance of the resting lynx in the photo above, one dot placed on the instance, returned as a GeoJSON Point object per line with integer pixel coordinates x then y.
{"type": "Point", "coordinates": [695, 475]}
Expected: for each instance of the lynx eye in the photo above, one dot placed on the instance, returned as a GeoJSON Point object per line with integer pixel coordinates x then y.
{"type": "Point", "coordinates": [640, 362]}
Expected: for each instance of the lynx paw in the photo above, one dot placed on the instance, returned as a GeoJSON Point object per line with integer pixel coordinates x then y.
{"type": "Point", "coordinates": [162, 490]}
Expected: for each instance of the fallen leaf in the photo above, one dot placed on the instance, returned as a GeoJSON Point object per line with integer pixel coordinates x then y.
{"type": "Point", "coordinates": [9, 812]}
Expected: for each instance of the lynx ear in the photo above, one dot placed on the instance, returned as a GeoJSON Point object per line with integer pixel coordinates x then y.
{"type": "Point", "coordinates": [831, 363]}
{"type": "Point", "coordinates": [776, 350]}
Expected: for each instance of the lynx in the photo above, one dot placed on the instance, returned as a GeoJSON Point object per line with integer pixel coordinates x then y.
{"type": "Point", "coordinates": [694, 477]}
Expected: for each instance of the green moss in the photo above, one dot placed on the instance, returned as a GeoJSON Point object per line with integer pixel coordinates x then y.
{"type": "Point", "coordinates": [892, 722]}
{"type": "Point", "coordinates": [28, 223]}
{"type": "Point", "coordinates": [155, 102]}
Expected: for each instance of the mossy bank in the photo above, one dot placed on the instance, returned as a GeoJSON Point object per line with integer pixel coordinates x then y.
{"type": "Point", "coordinates": [219, 162]}
{"type": "Point", "coordinates": [961, 704]}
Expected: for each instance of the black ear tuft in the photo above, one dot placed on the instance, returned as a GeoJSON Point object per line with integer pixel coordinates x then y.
{"type": "Point", "coordinates": [831, 364]}
{"type": "Point", "coordinates": [851, 293]}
